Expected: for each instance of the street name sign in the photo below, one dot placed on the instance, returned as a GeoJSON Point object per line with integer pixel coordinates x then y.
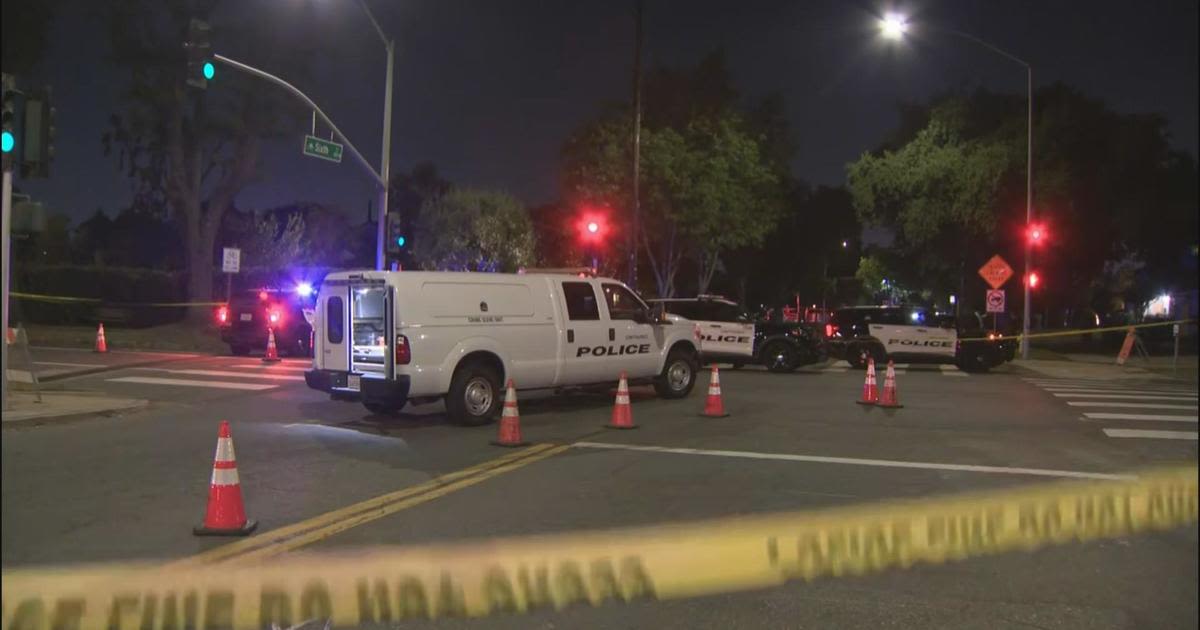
{"type": "Point", "coordinates": [324, 149]}
{"type": "Point", "coordinates": [996, 272]}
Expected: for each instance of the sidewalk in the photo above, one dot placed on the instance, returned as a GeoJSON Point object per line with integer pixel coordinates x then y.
{"type": "Point", "coordinates": [1103, 367]}
{"type": "Point", "coordinates": [24, 409]}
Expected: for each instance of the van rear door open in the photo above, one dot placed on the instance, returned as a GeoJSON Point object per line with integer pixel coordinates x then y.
{"type": "Point", "coordinates": [332, 342]}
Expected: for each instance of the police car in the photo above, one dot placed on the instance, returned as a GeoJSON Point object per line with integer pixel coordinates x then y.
{"type": "Point", "coordinates": [728, 335]}
{"type": "Point", "coordinates": [390, 338]}
{"type": "Point", "coordinates": [246, 318]}
{"type": "Point", "coordinates": [915, 334]}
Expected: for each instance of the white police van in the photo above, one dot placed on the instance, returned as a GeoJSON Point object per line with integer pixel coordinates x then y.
{"type": "Point", "coordinates": [390, 338]}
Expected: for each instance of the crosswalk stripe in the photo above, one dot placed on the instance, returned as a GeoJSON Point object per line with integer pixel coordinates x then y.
{"type": "Point", "coordinates": [59, 363]}
{"type": "Point", "coordinates": [1156, 392]}
{"type": "Point", "coordinates": [150, 380]}
{"type": "Point", "coordinates": [1139, 416]}
{"type": "Point", "coordinates": [273, 377]}
{"type": "Point", "coordinates": [960, 373]}
{"type": "Point", "coordinates": [1107, 404]}
{"type": "Point", "coordinates": [266, 366]}
{"type": "Point", "coordinates": [1147, 433]}
{"type": "Point", "coordinates": [1133, 396]}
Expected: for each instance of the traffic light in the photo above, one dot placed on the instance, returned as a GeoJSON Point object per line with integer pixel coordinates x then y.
{"type": "Point", "coordinates": [396, 238]}
{"type": "Point", "coordinates": [1033, 279]}
{"type": "Point", "coordinates": [1036, 233]}
{"type": "Point", "coordinates": [38, 131]}
{"type": "Point", "coordinates": [200, 69]}
{"type": "Point", "coordinates": [593, 228]}
{"type": "Point", "coordinates": [8, 142]}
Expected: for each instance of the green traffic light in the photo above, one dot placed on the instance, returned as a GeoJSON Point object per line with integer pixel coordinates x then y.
{"type": "Point", "coordinates": [209, 70]}
{"type": "Point", "coordinates": [7, 142]}
{"type": "Point", "coordinates": [400, 240]}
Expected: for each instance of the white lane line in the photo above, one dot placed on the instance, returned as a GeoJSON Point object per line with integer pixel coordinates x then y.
{"type": "Point", "coordinates": [964, 374]}
{"type": "Point", "coordinates": [147, 380]}
{"type": "Point", "coordinates": [82, 365]}
{"type": "Point", "coordinates": [273, 377]}
{"type": "Point", "coordinates": [886, 463]}
{"type": "Point", "coordinates": [1122, 405]}
{"type": "Point", "coordinates": [1133, 396]}
{"type": "Point", "coordinates": [1146, 433]}
{"type": "Point", "coordinates": [1139, 416]}
{"type": "Point", "coordinates": [267, 366]}
{"type": "Point", "coordinates": [949, 368]}
{"type": "Point", "coordinates": [1158, 392]}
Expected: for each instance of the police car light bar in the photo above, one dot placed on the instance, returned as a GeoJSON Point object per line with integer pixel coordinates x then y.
{"type": "Point", "coordinates": [569, 271]}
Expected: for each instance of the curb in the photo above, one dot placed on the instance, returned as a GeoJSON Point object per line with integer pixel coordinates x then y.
{"type": "Point", "coordinates": [109, 368]}
{"type": "Point", "coordinates": [75, 415]}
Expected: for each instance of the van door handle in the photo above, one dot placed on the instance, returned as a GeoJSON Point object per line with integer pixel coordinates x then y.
{"type": "Point", "coordinates": [570, 336]}
{"type": "Point", "coordinates": [612, 335]}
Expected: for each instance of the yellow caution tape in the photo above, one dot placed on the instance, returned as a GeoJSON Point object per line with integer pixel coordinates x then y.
{"type": "Point", "coordinates": [37, 297]}
{"type": "Point", "coordinates": [390, 584]}
{"type": "Point", "coordinates": [1082, 331]}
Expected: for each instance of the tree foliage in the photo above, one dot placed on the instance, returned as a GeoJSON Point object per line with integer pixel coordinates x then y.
{"type": "Point", "coordinates": [951, 188]}
{"type": "Point", "coordinates": [474, 230]}
{"type": "Point", "coordinates": [710, 180]}
{"type": "Point", "coordinates": [193, 153]}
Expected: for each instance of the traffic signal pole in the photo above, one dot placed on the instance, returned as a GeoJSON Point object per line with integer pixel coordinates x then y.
{"type": "Point", "coordinates": [5, 228]}
{"type": "Point", "coordinates": [251, 70]}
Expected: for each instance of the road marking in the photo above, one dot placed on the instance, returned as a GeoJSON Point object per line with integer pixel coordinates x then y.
{"type": "Point", "coordinates": [960, 373]}
{"type": "Point", "coordinates": [148, 380]}
{"type": "Point", "coordinates": [268, 366]}
{"type": "Point", "coordinates": [274, 377]}
{"type": "Point", "coordinates": [1080, 390]}
{"type": "Point", "coordinates": [1139, 416]}
{"type": "Point", "coordinates": [1106, 404]}
{"type": "Point", "coordinates": [1134, 396]}
{"type": "Point", "coordinates": [885, 463]}
{"type": "Point", "coordinates": [82, 365]}
{"type": "Point", "coordinates": [1144, 433]}
{"type": "Point", "coordinates": [325, 525]}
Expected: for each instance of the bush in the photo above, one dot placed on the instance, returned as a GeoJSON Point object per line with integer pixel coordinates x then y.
{"type": "Point", "coordinates": [122, 295]}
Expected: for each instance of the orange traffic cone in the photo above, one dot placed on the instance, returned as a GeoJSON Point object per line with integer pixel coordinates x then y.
{"type": "Point", "coordinates": [101, 344]}
{"type": "Point", "coordinates": [889, 398]}
{"type": "Point", "coordinates": [870, 394]}
{"type": "Point", "coordinates": [226, 515]}
{"type": "Point", "coordinates": [713, 407]}
{"type": "Point", "coordinates": [272, 354]}
{"type": "Point", "coordinates": [622, 415]}
{"type": "Point", "coordinates": [510, 421]}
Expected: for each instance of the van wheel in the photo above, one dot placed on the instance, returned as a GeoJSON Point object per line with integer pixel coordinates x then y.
{"type": "Point", "coordinates": [475, 395]}
{"type": "Point", "coordinates": [678, 375]}
{"type": "Point", "coordinates": [780, 357]}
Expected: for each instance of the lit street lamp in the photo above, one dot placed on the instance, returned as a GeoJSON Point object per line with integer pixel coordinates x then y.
{"type": "Point", "coordinates": [894, 26]}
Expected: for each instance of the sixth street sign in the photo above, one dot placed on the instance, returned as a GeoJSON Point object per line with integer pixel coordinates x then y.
{"type": "Point", "coordinates": [324, 149]}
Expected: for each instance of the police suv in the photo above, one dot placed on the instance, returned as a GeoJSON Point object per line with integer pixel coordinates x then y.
{"type": "Point", "coordinates": [914, 334]}
{"type": "Point", "coordinates": [728, 335]}
{"type": "Point", "coordinates": [390, 338]}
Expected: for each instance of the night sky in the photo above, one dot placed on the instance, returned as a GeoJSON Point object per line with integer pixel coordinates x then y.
{"type": "Point", "coordinates": [488, 90]}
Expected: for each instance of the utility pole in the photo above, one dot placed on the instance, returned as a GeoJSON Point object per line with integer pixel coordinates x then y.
{"type": "Point", "coordinates": [635, 232]}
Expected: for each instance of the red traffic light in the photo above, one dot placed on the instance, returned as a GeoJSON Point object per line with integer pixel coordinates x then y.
{"type": "Point", "coordinates": [592, 226]}
{"type": "Point", "coordinates": [1036, 233]}
{"type": "Point", "coordinates": [1033, 280]}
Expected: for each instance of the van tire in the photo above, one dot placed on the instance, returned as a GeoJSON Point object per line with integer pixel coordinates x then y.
{"type": "Point", "coordinates": [680, 365]}
{"type": "Point", "coordinates": [475, 395]}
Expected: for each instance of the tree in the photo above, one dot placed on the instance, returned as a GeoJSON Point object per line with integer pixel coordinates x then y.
{"type": "Point", "coordinates": [193, 152]}
{"type": "Point", "coordinates": [474, 230]}
{"type": "Point", "coordinates": [951, 185]}
{"type": "Point", "coordinates": [710, 181]}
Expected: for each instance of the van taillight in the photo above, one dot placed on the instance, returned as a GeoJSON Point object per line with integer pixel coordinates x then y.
{"type": "Point", "coordinates": [830, 330]}
{"type": "Point", "coordinates": [223, 315]}
{"type": "Point", "coordinates": [403, 351]}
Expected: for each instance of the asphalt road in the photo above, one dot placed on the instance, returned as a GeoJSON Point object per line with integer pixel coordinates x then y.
{"type": "Point", "coordinates": [133, 486]}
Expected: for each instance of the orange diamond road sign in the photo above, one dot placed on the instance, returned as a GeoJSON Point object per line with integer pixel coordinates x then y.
{"type": "Point", "coordinates": [996, 272]}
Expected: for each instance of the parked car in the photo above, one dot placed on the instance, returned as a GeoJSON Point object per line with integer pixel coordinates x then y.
{"type": "Point", "coordinates": [245, 320]}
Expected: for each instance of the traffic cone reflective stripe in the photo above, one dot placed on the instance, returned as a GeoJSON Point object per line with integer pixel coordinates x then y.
{"type": "Point", "coordinates": [890, 398]}
{"type": "Point", "coordinates": [714, 407]}
{"type": "Point", "coordinates": [101, 344]}
{"type": "Point", "coordinates": [509, 432]}
{"type": "Point", "coordinates": [870, 395]}
{"type": "Point", "coordinates": [622, 414]}
{"type": "Point", "coordinates": [272, 354]}
{"type": "Point", "coordinates": [226, 513]}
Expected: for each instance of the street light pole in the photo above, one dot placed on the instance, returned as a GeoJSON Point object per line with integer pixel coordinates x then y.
{"type": "Point", "coordinates": [894, 27]}
{"type": "Point", "coordinates": [386, 159]}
